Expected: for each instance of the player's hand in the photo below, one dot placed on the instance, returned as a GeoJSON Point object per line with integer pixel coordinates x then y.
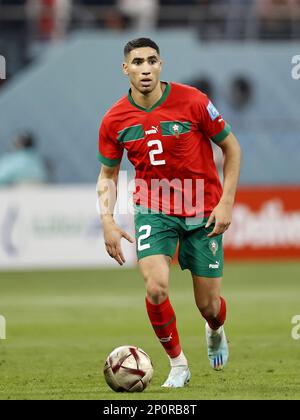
{"type": "Point", "coordinates": [221, 216]}
{"type": "Point", "coordinates": [112, 239]}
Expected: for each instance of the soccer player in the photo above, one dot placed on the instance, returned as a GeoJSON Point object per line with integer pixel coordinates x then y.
{"type": "Point", "coordinates": [167, 129]}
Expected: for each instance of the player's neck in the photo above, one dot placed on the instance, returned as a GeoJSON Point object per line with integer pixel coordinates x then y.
{"type": "Point", "coordinates": [148, 100]}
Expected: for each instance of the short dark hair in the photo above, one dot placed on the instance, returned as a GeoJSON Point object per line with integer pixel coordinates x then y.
{"type": "Point", "coordinates": [140, 43]}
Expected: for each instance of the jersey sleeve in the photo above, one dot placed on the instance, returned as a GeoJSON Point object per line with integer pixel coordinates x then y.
{"type": "Point", "coordinates": [110, 151]}
{"type": "Point", "coordinates": [211, 122]}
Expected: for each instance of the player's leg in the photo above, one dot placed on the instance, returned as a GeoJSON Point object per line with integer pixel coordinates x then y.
{"type": "Point", "coordinates": [203, 256]}
{"type": "Point", "coordinates": [155, 271]}
{"type": "Point", "coordinates": [213, 309]}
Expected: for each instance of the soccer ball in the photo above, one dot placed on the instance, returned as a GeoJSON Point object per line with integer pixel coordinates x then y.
{"type": "Point", "coordinates": [128, 369]}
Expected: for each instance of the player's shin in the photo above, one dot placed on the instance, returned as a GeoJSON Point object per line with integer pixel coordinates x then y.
{"type": "Point", "coordinates": [163, 320]}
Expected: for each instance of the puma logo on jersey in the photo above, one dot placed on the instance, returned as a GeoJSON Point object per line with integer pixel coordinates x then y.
{"type": "Point", "coordinates": [154, 130]}
{"type": "Point", "coordinates": [220, 120]}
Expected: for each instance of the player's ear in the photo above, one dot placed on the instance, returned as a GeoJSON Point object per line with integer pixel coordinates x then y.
{"type": "Point", "coordinates": [161, 65]}
{"type": "Point", "coordinates": [125, 68]}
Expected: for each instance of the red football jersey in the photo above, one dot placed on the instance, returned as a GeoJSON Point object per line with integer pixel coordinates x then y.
{"type": "Point", "coordinates": [169, 146]}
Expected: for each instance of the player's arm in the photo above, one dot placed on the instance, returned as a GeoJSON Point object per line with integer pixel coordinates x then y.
{"type": "Point", "coordinates": [107, 196]}
{"type": "Point", "coordinates": [222, 213]}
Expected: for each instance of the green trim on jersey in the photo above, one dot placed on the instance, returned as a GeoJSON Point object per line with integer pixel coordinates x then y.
{"type": "Point", "coordinates": [224, 133]}
{"type": "Point", "coordinates": [159, 102]}
{"type": "Point", "coordinates": [107, 161]}
{"type": "Point", "coordinates": [135, 132]}
{"type": "Point", "coordinates": [167, 127]}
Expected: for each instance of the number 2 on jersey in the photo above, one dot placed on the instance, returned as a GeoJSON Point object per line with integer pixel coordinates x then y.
{"type": "Point", "coordinates": [154, 152]}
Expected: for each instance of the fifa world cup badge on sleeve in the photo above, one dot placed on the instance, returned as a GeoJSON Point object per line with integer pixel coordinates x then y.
{"type": "Point", "coordinates": [212, 110]}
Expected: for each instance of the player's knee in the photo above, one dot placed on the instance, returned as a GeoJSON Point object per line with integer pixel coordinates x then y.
{"type": "Point", "coordinates": [209, 309]}
{"type": "Point", "coordinates": [156, 293]}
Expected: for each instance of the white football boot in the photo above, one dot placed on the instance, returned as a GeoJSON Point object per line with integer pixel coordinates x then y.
{"type": "Point", "coordinates": [180, 374]}
{"type": "Point", "coordinates": [217, 347]}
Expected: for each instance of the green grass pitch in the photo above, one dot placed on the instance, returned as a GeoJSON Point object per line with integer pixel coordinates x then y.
{"type": "Point", "coordinates": [61, 325]}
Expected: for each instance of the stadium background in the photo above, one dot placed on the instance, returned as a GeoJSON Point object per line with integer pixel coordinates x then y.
{"type": "Point", "coordinates": [66, 303]}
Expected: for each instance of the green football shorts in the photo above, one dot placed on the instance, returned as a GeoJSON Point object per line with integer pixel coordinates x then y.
{"type": "Point", "coordinates": [157, 233]}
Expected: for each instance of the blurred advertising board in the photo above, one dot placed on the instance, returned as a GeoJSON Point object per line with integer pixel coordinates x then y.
{"type": "Point", "coordinates": [53, 227]}
{"type": "Point", "coordinates": [265, 225]}
{"type": "Point", "coordinates": [58, 226]}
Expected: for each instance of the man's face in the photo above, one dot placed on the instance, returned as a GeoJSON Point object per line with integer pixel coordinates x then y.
{"type": "Point", "coordinates": [143, 67]}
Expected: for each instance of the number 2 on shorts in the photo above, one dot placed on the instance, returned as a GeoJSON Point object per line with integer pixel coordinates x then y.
{"type": "Point", "coordinates": [147, 229]}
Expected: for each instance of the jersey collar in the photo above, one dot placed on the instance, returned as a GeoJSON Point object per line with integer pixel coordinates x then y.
{"type": "Point", "coordinates": [159, 102]}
